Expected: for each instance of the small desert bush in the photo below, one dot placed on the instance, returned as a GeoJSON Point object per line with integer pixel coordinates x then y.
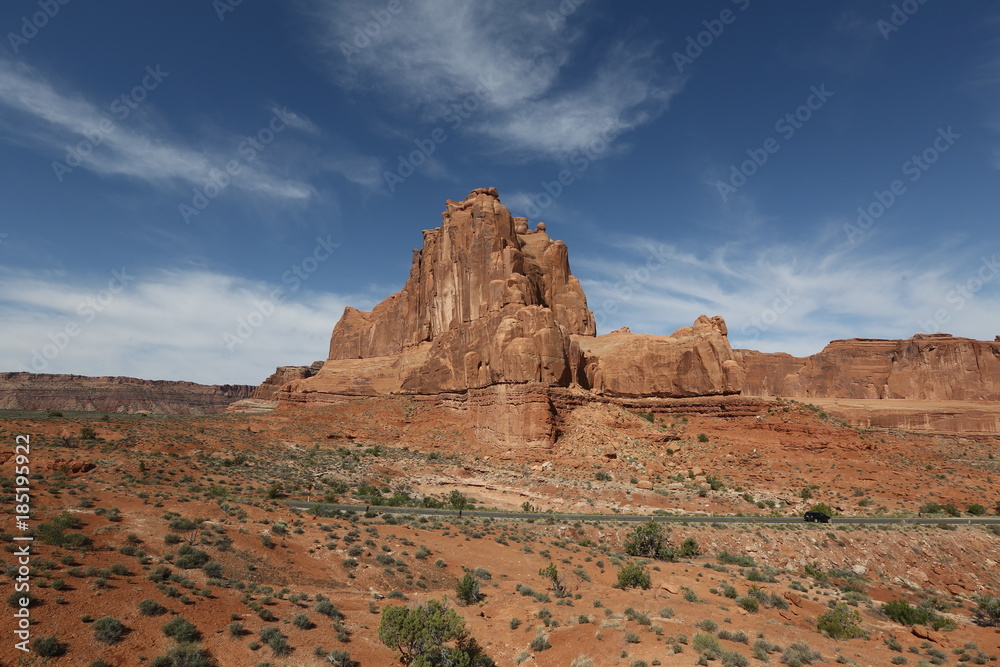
{"type": "Point", "coordinates": [48, 647]}
{"type": "Point", "coordinates": [108, 630]}
{"type": "Point", "coordinates": [799, 654]}
{"type": "Point", "coordinates": [181, 629]}
{"type": "Point", "coordinates": [150, 607]}
{"type": "Point", "coordinates": [634, 575]}
{"type": "Point", "coordinates": [841, 622]}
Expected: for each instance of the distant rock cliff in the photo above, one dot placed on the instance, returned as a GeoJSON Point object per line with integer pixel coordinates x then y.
{"type": "Point", "coordinates": [492, 317]}
{"type": "Point", "coordinates": [936, 367]}
{"type": "Point", "coordinates": [40, 391]}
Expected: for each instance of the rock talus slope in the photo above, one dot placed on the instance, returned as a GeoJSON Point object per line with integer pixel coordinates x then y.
{"type": "Point", "coordinates": [492, 314]}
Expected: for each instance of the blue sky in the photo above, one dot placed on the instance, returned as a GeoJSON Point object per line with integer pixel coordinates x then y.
{"type": "Point", "coordinates": [196, 190]}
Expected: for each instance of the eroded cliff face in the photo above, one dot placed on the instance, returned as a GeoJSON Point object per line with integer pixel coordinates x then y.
{"type": "Point", "coordinates": [933, 367]}
{"type": "Point", "coordinates": [693, 361]}
{"type": "Point", "coordinates": [492, 314]}
{"type": "Point", "coordinates": [487, 301]}
{"type": "Point", "coordinates": [271, 387]}
{"type": "Point", "coordinates": [43, 391]}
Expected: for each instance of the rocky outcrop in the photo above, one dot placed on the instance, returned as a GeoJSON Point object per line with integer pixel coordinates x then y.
{"type": "Point", "coordinates": [693, 361]}
{"type": "Point", "coordinates": [492, 313]}
{"type": "Point", "coordinates": [271, 387]}
{"type": "Point", "coordinates": [936, 367]}
{"type": "Point", "coordinates": [42, 391]}
{"type": "Point", "coordinates": [484, 304]}
{"type": "Point", "coordinates": [265, 397]}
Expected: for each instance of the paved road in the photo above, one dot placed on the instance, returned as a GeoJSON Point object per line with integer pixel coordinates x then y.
{"type": "Point", "coordinates": [569, 518]}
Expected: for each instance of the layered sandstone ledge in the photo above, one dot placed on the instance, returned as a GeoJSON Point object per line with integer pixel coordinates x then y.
{"type": "Point", "coordinates": [976, 418]}
{"type": "Point", "coordinates": [44, 391]}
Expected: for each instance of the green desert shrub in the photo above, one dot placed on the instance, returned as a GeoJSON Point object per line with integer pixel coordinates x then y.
{"type": "Point", "coordinates": [150, 607]}
{"type": "Point", "coordinates": [430, 634]}
{"type": "Point", "coordinates": [841, 622]}
{"type": "Point", "coordinates": [707, 645]}
{"type": "Point", "coordinates": [108, 630]}
{"type": "Point", "coordinates": [184, 655]}
{"type": "Point", "coordinates": [634, 575]}
{"type": "Point", "coordinates": [987, 610]}
{"type": "Point", "coordinates": [799, 654]}
{"type": "Point", "coordinates": [49, 647]}
{"type": "Point", "coordinates": [467, 590]}
{"type": "Point", "coordinates": [181, 629]}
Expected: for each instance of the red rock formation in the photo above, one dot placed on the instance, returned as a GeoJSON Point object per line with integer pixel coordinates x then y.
{"type": "Point", "coordinates": [44, 391]}
{"type": "Point", "coordinates": [925, 367]}
{"type": "Point", "coordinates": [491, 312]}
{"type": "Point", "coordinates": [693, 361]}
{"type": "Point", "coordinates": [271, 387]}
{"type": "Point", "coordinates": [483, 304]}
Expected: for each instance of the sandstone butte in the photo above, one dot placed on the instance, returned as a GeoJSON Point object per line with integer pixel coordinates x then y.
{"type": "Point", "coordinates": [491, 321]}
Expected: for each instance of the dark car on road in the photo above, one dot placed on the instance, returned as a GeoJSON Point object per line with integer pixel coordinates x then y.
{"type": "Point", "coordinates": [817, 517]}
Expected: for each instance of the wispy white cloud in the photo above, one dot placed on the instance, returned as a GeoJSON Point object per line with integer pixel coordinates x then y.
{"type": "Point", "coordinates": [793, 299]}
{"type": "Point", "coordinates": [49, 119]}
{"type": "Point", "coordinates": [363, 170]}
{"type": "Point", "coordinates": [507, 62]}
{"type": "Point", "coordinates": [177, 325]}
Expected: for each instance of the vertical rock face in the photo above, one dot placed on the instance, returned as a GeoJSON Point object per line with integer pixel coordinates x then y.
{"type": "Point", "coordinates": [491, 312]}
{"type": "Point", "coordinates": [487, 302]}
{"type": "Point", "coordinates": [924, 367]}
{"type": "Point", "coordinates": [475, 266]}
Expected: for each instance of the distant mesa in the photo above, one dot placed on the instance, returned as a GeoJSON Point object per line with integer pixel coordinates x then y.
{"type": "Point", "coordinates": [49, 391]}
